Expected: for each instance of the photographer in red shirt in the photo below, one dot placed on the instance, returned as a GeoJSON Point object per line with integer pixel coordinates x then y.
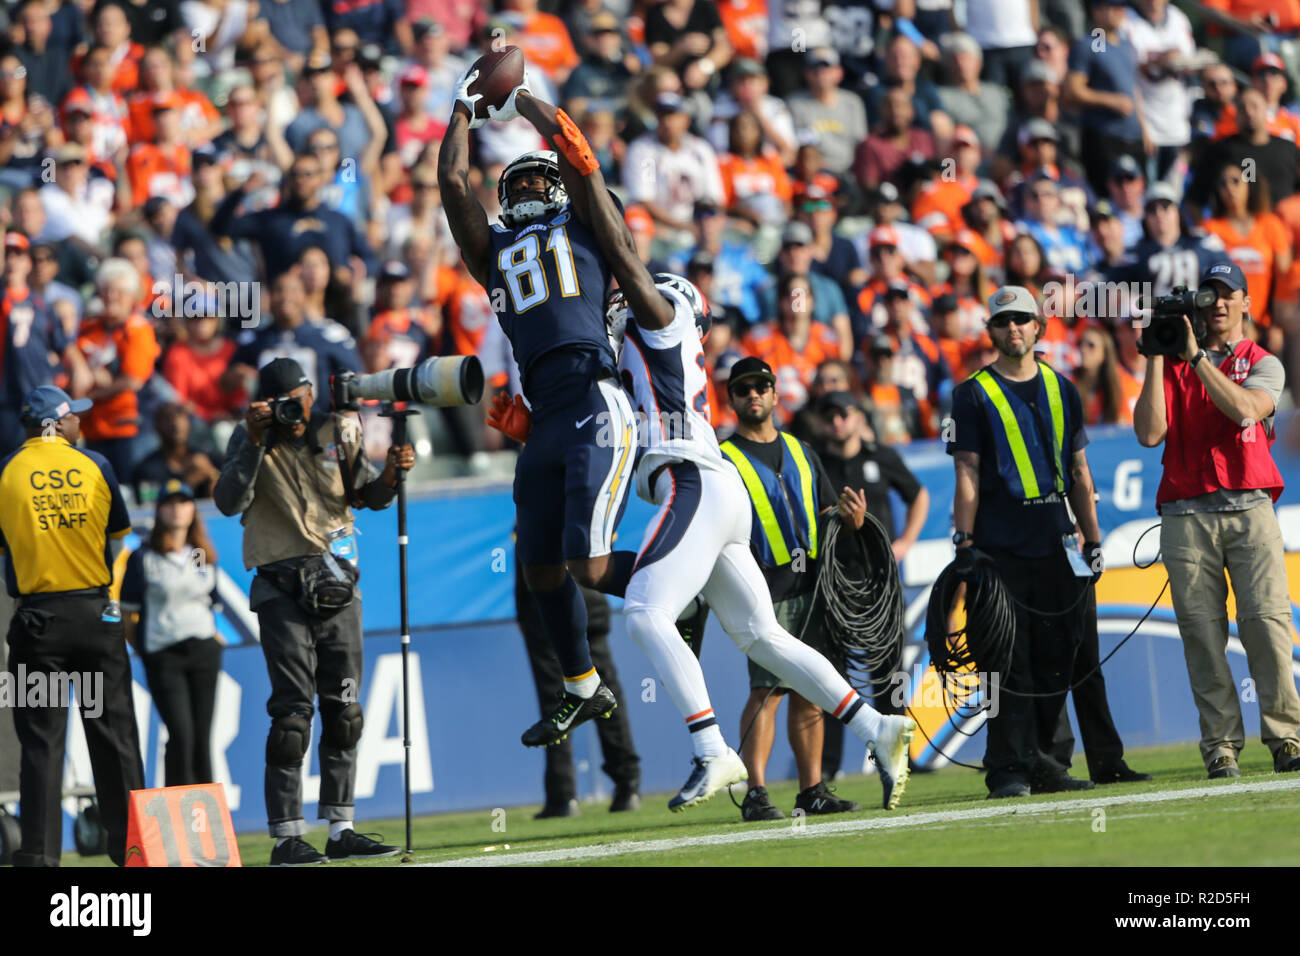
{"type": "Point", "coordinates": [1213, 406]}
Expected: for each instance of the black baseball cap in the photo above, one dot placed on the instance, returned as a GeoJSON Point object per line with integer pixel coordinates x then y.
{"type": "Point", "coordinates": [841, 400]}
{"type": "Point", "coordinates": [279, 377]}
{"type": "Point", "coordinates": [750, 367]}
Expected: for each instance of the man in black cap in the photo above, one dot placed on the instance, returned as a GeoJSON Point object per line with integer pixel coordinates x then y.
{"type": "Point", "coordinates": [62, 522]}
{"type": "Point", "coordinates": [294, 476]}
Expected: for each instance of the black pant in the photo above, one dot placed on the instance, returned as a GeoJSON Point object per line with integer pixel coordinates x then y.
{"type": "Point", "coordinates": [66, 634]}
{"type": "Point", "coordinates": [621, 762]}
{"type": "Point", "coordinates": [309, 657]}
{"type": "Point", "coordinates": [1102, 747]}
{"type": "Point", "coordinates": [183, 681]}
{"type": "Point", "coordinates": [1042, 662]}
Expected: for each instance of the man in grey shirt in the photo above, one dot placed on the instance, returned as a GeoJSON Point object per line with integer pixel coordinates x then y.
{"type": "Point", "coordinates": [981, 106]}
{"type": "Point", "coordinates": [837, 117]}
{"type": "Point", "coordinates": [1214, 408]}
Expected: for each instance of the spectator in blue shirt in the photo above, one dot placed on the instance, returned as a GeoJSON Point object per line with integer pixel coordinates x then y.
{"type": "Point", "coordinates": [738, 279]}
{"type": "Point", "coordinates": [1102, 83]}
{"type": "Point", "coordinates": [323, 348]}
{"type": "Point", "coordinates": [299, 221]}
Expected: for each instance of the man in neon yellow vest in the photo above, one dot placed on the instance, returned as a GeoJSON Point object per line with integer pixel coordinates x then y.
{"type": "Point", "coordinates": [788, 490]}
{"type": "Point", "coordinates": [1017, 439]}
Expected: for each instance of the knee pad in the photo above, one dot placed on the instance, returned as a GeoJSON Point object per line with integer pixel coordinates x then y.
{"type": "Point", "coordinates": [288, 741]}
{"type": "Point", "coordinates": [341, 726]}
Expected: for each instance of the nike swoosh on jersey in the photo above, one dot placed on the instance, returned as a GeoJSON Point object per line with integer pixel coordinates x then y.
{"type": "Point", "coordinates": [583, 422]}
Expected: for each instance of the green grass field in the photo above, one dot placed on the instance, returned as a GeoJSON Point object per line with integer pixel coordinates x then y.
{"type": "Point", "coordinates": [1143, 826]}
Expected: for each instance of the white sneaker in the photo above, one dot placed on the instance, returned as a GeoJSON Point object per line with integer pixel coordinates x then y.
{"type": "Point", "coordinates": [709, 775]}
{"type": "Point", "coordinates": [890, 753]}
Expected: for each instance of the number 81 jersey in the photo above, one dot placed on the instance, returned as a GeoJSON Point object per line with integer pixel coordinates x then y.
{"type": "Point", "coordinates": [547, 283]}
{"type": "Point", "coordinates": [663, 370]}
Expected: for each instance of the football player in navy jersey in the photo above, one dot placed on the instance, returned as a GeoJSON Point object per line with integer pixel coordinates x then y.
{"type": "Point", "coordinates": [698, 544]}
{"type": "Point", "coordinates": [546, 277]}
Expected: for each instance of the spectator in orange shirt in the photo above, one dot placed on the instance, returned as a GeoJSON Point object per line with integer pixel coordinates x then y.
{"type": "Point", "coordinates": [809, 170]}
{"type": "Point", "coordinates": [1268, 75]}
{"type": "Point", "coordinates": [199, 120]}
{"type": "Point", "coordinates": [937, 207]}
{"type": "Point", "coordinates": [887, 267]}
{"type": "Point", "coordinates": [755, 186]}
{"type": "Point", "coordinates": [112, 31]}
{"type": "Point", "coordinates": [120, 348]}
{"type": "Point", "coordinates": [544, 39]}
{"type": "Point", "coordinates": [967, 283]}
{"type": "Point", "coordinates": [986, 215]}
{"type": "Point", "coordinates": [793, 345]}
{"type": "Point", "coordinates": [897, 416]}
{"type": "Point", "coordinates": [162, 168]}
{"type": "Point", "coordinates": [197, 368]}
{"type": "Point", "coordinates": [1256, 240]}
{"type": "Point", "coordinates": [958, 348]}
{"type": "Point", "coordinates": [1107, 390]}
{"type": "Point", "coordinates": [108, 108]}
{"type": "Point", "coordinates": [408, 332]}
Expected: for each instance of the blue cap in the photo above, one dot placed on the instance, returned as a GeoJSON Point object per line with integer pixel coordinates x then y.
{"type": "Point", "coordinates": [175, 488]}
{"type": "Point", "coordinates": [46, 402]}
{"type": "Point", "coordinates": [1229, 273]}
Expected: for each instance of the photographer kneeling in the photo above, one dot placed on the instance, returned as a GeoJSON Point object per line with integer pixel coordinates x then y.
{"type": "Point", "coordinates": [291, 476]}
{"type": "Point", "coordinates": [1212, 403]}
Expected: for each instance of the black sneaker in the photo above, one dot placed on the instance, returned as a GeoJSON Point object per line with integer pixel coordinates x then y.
{"type": "Point", "coordinates": [1010, 790]}
{"type": "Point", "coordinates": [691, 626]}
{"type": "Point", "coordinates": [572, 711]}
{"type": "Point", "coordinates": [1060, 783]}
{"type": "Point", "coordinates": [296, 851]}
{"type": "Point", "coordinates": [569, 809]}
{"type": "Point", "coordinates": [758, 806]}
{"type": "Point", "coordinates": [625, 798]}
{"type": "Point", "coordinates": [1221, 767]}
{"type": "Point", "coordinates": [354, 846]}
{"type": "Point", "coordinates": [1287, 760]}
{"type": "Point", "coordinates": [819, 799]}
{"type": "Point", "coordinates": [1120, 773]}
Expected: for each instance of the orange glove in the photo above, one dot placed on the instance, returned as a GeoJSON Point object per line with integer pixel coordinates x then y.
{"type": "Point", "coordinates": [512, 419]}
{"type": "Point", "coordinates": [574, 145]}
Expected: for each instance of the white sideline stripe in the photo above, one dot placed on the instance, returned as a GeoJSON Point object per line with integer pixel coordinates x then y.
{"type": "Point", "coordinates": [787, 832]}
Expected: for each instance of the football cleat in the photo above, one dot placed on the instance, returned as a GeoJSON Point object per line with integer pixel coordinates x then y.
{"type": "Point", "coordinates": [572, 711]}
{"type": "Point", "coordinates": [708, 776]}
{"type": "Point", "coordinates": [890, 753]}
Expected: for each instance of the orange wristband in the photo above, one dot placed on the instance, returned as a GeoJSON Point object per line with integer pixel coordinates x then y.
{"type": "Point", "coordinates": [573, 144]}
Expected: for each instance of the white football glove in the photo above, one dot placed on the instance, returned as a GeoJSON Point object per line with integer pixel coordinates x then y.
{"type": "Point", "coordinates": [507, 112]}
{"type": "Point", "coordinates": [463, 95]}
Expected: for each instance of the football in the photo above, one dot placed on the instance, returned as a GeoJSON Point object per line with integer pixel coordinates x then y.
{"type": "Point", "coordinates": [499, 72]}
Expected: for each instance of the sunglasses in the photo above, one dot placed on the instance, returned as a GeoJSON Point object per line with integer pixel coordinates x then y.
{"type": "Point", "coordinates": [323, 148]}
{"type": "Point", "coordinates": [744, 389]}
{"type": "Point", "coordinates": [1004, 320]}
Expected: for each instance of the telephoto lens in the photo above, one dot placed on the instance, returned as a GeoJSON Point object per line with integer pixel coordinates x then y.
{"type": "Point", "coordinates": [439, 381]}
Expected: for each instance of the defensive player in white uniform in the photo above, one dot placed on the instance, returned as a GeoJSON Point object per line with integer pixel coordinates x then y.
{"type": "Point", "coordinates": [699, 540]}
{"type": "Point", "coordinates": [699, 543]}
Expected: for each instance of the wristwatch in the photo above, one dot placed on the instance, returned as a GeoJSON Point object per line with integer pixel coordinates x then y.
{"type": "Point", "coordinates": [962, 537]}
{"type": "Point", "coordinates": [1197, 357]}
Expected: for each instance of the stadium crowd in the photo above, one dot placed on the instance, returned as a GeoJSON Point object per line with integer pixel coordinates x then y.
{"type": "Point", "coordinates": [193, 189]}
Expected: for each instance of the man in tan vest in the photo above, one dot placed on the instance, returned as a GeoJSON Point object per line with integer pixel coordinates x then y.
{"type": "Point", "coordinates": [293, 477]}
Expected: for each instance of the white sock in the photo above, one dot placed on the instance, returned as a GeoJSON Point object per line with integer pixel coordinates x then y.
{"type": "Point", "coordinates": [584, 686]}
{"type": "Point", "coordinates": [680, 673]}
{"type": "Point", "coordinates": [813, 678]}
{"type": "Point", "coordinates": [338, 826]}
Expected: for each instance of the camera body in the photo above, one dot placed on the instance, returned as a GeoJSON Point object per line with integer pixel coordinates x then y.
{"type": "Point", "coordinates": [288, 411]}
{"type": "Point", "coordinates": [1165, 334]}
{"type": "Point", "coordinates": [440, 381]}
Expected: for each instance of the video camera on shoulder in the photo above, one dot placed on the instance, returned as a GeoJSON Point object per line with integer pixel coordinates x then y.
{"type": "Point", "coordinates": [1165, 334]}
